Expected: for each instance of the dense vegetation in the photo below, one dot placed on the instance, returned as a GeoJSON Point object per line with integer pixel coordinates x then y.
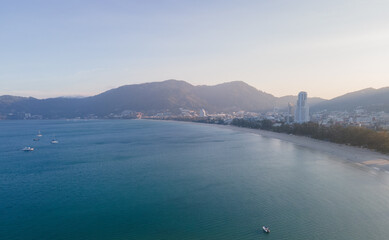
{"type": "Point", "coordinates": [349, 135]}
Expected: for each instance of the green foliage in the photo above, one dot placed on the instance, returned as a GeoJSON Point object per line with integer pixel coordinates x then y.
{"type": "Point", "coordinates": [349, 135]}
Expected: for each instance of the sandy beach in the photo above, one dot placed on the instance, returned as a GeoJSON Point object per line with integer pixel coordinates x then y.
{"type": "Point", "coordinates": [359, 156]}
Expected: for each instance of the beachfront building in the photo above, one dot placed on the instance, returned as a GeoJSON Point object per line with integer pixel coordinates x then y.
{"type": "Point", "coordinates": [290, 107]}
{"type": "Point", "coordinates": [301, 114]}
{"type": "Point", "coordinates": [203, 113]}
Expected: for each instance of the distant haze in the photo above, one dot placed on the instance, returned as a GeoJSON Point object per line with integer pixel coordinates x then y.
{"type": "Point", "coordinates": [169, 97]}
{"type": "Point", "coordinates": [67, 48]}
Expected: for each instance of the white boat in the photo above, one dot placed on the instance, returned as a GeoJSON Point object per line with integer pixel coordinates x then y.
{"type": "Point", "coordinates": [39, 134]}
{"type": "Point", "coordinates": [54, 141]}
{"type": "Point", "coordinates": [28, 149]}
{"type": "Point", "coordinates": [266, 229]}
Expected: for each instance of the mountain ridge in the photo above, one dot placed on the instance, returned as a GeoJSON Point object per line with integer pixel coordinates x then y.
{"type": "Point", "coordinates": [369, 98]}
{"type": "Point", "coordinates": [171, 95]}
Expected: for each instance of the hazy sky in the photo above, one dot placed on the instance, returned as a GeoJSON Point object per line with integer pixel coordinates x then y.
{"type": "Point", "coordinates": [327, 48]}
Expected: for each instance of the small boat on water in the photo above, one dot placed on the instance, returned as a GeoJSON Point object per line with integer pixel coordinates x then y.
{"type": "Point", "coordinates": [54, 140]}
{"type": "Point", "coordinates": [28, 149]}
{"type": "Point", "coordinates": [266, 229]}
{"type": "Point", "coordinates": [39, 134]}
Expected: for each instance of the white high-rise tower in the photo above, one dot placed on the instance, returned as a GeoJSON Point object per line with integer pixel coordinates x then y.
{"type": "Point", "coordinates": [301, 114]}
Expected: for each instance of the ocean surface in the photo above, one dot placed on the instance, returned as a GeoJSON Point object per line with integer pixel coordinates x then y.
{"type": "Point", "coordinates": [138, 179]}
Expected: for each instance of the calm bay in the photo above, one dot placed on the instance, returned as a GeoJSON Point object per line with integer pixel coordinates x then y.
{"type": "Point", "coordinates": [139, 179]}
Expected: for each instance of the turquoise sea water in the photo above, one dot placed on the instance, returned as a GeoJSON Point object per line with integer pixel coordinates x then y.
{"type": "Point", "coordinates": [140, 179]}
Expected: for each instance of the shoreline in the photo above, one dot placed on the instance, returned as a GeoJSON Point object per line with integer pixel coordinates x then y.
{"type": "Point", "coordinates": [360, 156]}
